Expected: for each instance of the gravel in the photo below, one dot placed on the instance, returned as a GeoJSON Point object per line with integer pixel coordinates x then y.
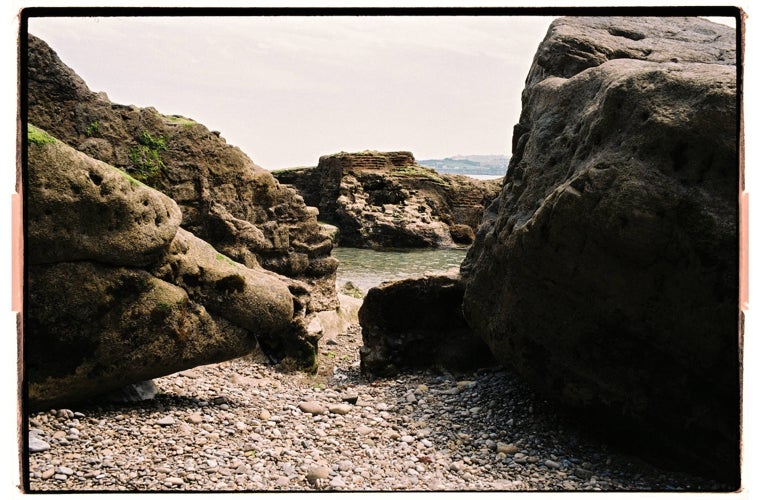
{"type": "Point", "coordinates": [242, 425]}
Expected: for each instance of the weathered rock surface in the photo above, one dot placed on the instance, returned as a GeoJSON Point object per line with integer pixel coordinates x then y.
{"type": "Point", "coordinates": [606, 272]}
{"type": "Point", "coordinates": [118, 293]}
{"type": "Point", "coordinates": [388, 200]}
{"type": "Point", "coordinates": [93, 212]}
{"type": "Point", "coordinates": [224, 197]}
{"type": "Point", "coordinates": [418, 323]}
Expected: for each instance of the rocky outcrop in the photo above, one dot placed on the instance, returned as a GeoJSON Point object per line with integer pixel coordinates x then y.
{"type": "Point", "coordinates": [606, 272]}
{"type": "Point", "coordinates": [381, 200]}
{"type": "Point", "coordinates": [225, 199]}
{"type": "Point", "coordinates": [117, 292]}
{"type": "Point", "coordinates": [418, 323]}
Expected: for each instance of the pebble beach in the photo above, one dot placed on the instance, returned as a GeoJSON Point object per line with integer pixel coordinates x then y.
{"type": "Point", "coordinates": [242, 425]}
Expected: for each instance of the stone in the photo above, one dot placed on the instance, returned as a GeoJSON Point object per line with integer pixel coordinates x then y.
{"type": "Point", "coordinates": [363, 430]}
{"type": "Point", "coordinates": [37, 445]}
{"type": "Point", "coordinates": [132, 393]}
{"type": "Point", "coordinates": [174, 481]}
{"type": "Point", "coordinates": [337, 482]}
{"type": "Point", "coordinates": [350, 398]}
{"type": "Point", "coordinates": [339, 409]}
{"type": "Point", "coordinates": [606, 272]}
{"type": "Point", "coordinates": [316, 473]}
{"type": "Point", "coordinates": [507, 449]}
{"type": "Point", "coordinates": [311, 407]}
{"type": "Point", "coordinates": [417, 323]}
{"type": "Point", "coordinates": [195, 418]}
{"type": "Point", "coordinates": [165, 421]}
{"type": "Point", "coordinates": [48, 473]}
{"type": "Point", "coordinates": [264, 414]}
{"type": "Point", "coordinates": [386, 199]}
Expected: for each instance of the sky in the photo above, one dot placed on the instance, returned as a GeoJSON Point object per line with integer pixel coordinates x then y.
{"type": "Point", "coordinates": [287, 90]}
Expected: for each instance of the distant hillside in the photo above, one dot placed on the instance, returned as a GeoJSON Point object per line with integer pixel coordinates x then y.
{"type": "Point", "coordinates": [470, 164]}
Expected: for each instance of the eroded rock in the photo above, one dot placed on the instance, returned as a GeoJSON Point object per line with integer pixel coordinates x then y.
{"type": "Point", "coordinates": [225, 198]}
{"type": "Point", "coordinates": [97, 320]}
{"type": "Point", "coordinates": [606, 272]}
{"type": "Point", "coordinates": [418, 323]}
{"type": "Point", "coordinates": [94, 212]}
{"type": "Point", "coordinates": [386, 199]}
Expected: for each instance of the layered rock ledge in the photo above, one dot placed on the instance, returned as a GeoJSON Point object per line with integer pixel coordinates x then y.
{"type": "Point", "coordinates": [386, 199]}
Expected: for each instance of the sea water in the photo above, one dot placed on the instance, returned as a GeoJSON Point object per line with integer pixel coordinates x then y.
{"type": "Point", "coordinates": [368, 268]}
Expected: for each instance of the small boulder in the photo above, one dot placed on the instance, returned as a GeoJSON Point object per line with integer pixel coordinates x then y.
{"type": "Point", "coordinates": [417, 322]}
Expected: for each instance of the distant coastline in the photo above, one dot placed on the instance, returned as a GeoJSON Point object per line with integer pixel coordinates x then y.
{"type": "Point", "coordinates": [477, 166]}
{"type": "Point", "coordinates": [481, 167]}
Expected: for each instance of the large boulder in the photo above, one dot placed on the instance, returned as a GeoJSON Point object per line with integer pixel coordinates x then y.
{"type": "Point", "coordinates": [118, 293]}
{"type": "Point", "coordinates": [386, 199]}
{"type": "Point", "coordinates": [92, 212]}
{"type": "Point", "coordinates": [606, 272]}
{"type": "Point", "coordinates": [224, 197]}
{"type": "Point", "coordinates": [418, 323]}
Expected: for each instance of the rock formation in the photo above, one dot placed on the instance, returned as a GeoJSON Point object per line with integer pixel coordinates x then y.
{"type": "Point", "coordinates": [381, 200]}
{"type": "Point", "coordinates": [418, 323]}
{"type": "Point", "coordinates": [117, 292]}
{"type": "Point", "coordinates": [225, 199]}
{"type": "Point", "coordinates": [606, 272]}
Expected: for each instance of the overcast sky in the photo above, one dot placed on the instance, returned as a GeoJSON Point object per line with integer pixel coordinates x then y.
{"type": "Point", "coordinates": [287, 90]}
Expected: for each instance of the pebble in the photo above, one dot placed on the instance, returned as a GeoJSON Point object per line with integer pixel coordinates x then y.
{"type": "Point", "coordinates": [316, 473]}
{"type": "Point", "coordinates": [350, 398]}
{"type": "Point", "coordinates": [340, 409]}
{"type": "Point", "coordinates": [168, 420]}
{"type": "Point", "coordinates": [311, 407]}
{"type": "Point", "coordinates": [282, 482]}
{"type": "Point", "coordinates": [37, 445]}
{"type": "Point", "coordinates": [338, 482]}
{"type": "Point", "coordinates": [241, 426]}
{"type": "Point", "coordinates": [507, 449]}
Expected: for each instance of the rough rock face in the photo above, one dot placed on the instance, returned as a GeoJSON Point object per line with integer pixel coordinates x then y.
{"type": "Point", "coordinates": [118, 293]}
{"type": "Point", "coordinates": [418, 323]}
{"type": "Point", "coordinates": [224, 197]}
{"type": "Point", "coordinates": [388, 200]}
{"type": "Point", "coordinates": [607, 270]}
